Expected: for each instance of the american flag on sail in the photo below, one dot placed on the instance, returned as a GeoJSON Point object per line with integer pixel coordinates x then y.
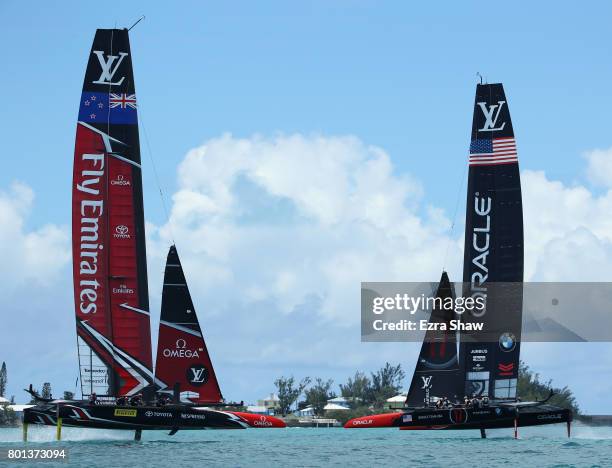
{"type": "Point", "coordinates": [494, 151]}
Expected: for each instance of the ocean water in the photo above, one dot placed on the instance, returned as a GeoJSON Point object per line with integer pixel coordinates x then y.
{"type": "Point", "coordinates": [537, 446]}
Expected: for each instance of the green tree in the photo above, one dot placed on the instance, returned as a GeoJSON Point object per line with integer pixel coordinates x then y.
{"type": "Point", "coordinates": [318, 394]}
{"type": "Point", "coordinates": [288, 392]}
{"type": "Point", "coordinates": [386, 382]}
{"type": "Point", "coordinates": [530, 388]}
{"type": "Point", "coordinates": [358, 389]}
{"type": "Point", "coordinates": [3, 379]}
{"type": "Point", "coordinates": [46, 390]}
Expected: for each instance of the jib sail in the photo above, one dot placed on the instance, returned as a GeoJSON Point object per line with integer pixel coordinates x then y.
{"type": "Point", "coordinates": [493, 255]}
{"type": "Point", "coordinates": [437, 370]}
{"type": "Point", "coordinates": [182, 357]}
{"type": "Point", "coordinates": [108, 237]}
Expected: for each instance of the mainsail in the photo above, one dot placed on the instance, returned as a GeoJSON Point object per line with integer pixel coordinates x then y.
{"type": "Point", "coordinates": [182, 357]}
{"type": "Point", "coordinates": [108, 237]}
{"type": "Point", "coordinates": [493, 255]}
{"type": "Point", "coordinates": [437, 370]}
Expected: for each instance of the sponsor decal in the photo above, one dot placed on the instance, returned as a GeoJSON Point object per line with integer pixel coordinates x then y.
{"type": "Point", "coordinates": [122, 232]}
{"type": "Point", "coordinates": [479, 351]}
{"type": "Point", "coordinates": [109, 65]}
{"type": "Point", "coordinates": [91, 211]}
{"type": "Point", "coordinates": [123, 289]}
{"type": "Point", "coordinates": [262, 422]}
{"type": "Point", "coordinates": [159, 414]}
{"type": "Point", "coordinates": [480, 245]}
{"type": "Point", "coordinates": [479, 358]}
{"type": "Point", "coordinates": [180, 351]}
{"type": "Point", "coordinates": [197, 375]}
{"type": "Point", "coordinates": [131, 413]}
{"type": "Point", "coordinates": [362, 422]}
{"type": "Point", "coordinates": [429, 416]}
{"type": "Point", "coordinates": [426, 385]}
{"type": "Point", "coordinates": [458, 415]}
{"type": "Point", "coordinates": [120, 180]}
{"type": "Point", "coordinates": [491, 114]}
{"type": "Point", "coordinates": [506, 369]}
{"type": "Point", "coordinates": [498, 411]}
{"type": "Point", "coordinates": [507, 342]}
{"type": "Point", "coordinates": [549, 417]}
{"type": "Point", "coordinates": [407, 418]}
{"type": "Point", "coordinates": [192, 416]}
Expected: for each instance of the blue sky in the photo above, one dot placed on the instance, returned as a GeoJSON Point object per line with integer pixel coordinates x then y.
{"type": "Point", "coordinates": [397, 76]}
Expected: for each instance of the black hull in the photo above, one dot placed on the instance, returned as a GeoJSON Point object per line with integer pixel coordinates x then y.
{"type": "Point", "coordinates": [493, 417]}
{"type": "Point", "coordinates": [171, 417]}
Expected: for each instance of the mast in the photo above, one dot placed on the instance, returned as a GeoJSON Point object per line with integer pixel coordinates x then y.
{"type": "Point", "coordinates": [493, 254]}
{"type": "Point", "coordinates": [108, 236]}
{"type": "Point", "coordinates": [182, 357]}
{"type": "Point", "coordinates": [437, 370]}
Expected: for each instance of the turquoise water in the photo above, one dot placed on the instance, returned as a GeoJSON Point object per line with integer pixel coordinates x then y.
{"type": "Point", "coordinates": [538, 446]}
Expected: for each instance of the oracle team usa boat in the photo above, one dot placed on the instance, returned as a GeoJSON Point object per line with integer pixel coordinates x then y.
{"type": "Point", "coordinates": [110, 280]}
{"type": "Point", "coordinates": [486, 364]}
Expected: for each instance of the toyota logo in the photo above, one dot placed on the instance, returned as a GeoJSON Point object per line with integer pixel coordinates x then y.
{"type": "Point", "coordinates": [121, 229]}
{"type": "Point", "coordinates": [149, 414]}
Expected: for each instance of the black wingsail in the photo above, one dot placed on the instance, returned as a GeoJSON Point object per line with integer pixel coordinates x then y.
{"type": "Point", "coordinates": [182, 357]}
{"type": "Point", "coordinates": [493, 255]}
{"type": "Point", "coordinates": [437, 370]}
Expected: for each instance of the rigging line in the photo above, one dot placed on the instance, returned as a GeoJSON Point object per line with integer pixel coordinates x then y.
{"type": "Point", "coordinates": [452, 228]}
{"type": "Point", "coordinates": [157, 181]}
{"type": "Point", "coordinates": [137, 21]}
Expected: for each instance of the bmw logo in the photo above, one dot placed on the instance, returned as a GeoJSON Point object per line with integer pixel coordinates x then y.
{"type": "Point", "coordinates": [507, 342]}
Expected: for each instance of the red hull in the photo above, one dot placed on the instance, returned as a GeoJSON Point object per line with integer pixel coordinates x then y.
{"type": "Point", "coordinates": [375, 420]}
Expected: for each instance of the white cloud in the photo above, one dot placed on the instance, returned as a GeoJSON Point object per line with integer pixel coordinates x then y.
{"type": "Point", "coordinates": [568, 233]}
{"type": "Point", "coordinates": [28, 255]}
{"type": "Point", "coordinates": [599, 167]}
{"type": "Point", "coordinates": [289, 217]}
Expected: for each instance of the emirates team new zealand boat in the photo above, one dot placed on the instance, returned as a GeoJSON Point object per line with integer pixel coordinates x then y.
{"type": "Point", "coordinates": [485, 368]}
{"type": "Point", "coordinates": [110, 281]}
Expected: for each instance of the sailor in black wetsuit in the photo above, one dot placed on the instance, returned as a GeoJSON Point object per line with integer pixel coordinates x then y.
{"type": "Point", "coordinates": [93, 399]}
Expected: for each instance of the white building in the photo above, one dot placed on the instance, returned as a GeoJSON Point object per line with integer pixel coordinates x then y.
{"type": "Point", "coordinates": [397, 401]}
{"type": "Point", "coordinates": [271, 402]}
{"type": "Point", "coordinates": [335, 407]}
{"type": "Point", "coordinates": [307, 412]}
{"type": "Point", "coordinates": [258, 409]}
{"type": "Point", "coordinates": [18, 409]}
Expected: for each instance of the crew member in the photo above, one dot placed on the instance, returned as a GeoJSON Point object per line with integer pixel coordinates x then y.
{"type": "Point", "coordinates": [93, 399]}
{"type": "Point", "coordinates": [136, 400]}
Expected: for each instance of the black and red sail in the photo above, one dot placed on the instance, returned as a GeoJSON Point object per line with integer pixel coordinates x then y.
{"type": "Point", "coordinates": [436, 374]}
{"type": "Point", "coordinates": [182, 357]}
{"type": "Point", "coordinates": [108, 237]}
{"type": "Point", "coordinates": [493, 254]}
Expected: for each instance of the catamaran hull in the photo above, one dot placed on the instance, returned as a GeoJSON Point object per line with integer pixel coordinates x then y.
{"type": "Point", "coordinates": [494, 417]}
{"type": "Point", "coordinates": [142, 417]}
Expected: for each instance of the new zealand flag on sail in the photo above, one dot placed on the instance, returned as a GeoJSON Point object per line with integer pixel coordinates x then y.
{"type": "Point", "coordinates": [108, 108]}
